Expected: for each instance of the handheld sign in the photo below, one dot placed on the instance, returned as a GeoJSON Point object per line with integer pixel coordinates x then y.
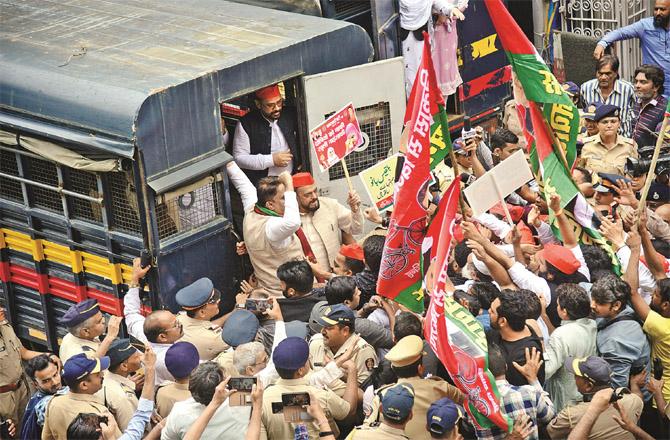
{"type": "Point", "coordinates": [378, 181]}
{"type": "Point", "coordinates": [498, 183]}
{"type": "Point", "coordinates": [336, 137]}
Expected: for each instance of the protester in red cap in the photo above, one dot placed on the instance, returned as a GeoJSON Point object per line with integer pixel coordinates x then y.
{"type": "Point", "coordinates": [324, 219]}
{"type": "Point", "coordinates": [265, 141]}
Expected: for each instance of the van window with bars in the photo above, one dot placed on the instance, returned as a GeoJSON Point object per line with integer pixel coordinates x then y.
{"type": "Point", "coordinates": [188, 207]}
{"type": "Point", "coordinates": [375, 122]}
{"type": "Point", "coordinates": [68, 192]}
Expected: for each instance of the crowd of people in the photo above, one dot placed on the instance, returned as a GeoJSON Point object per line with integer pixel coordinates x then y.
{"type": "Point", "coordinates": [578, 341]}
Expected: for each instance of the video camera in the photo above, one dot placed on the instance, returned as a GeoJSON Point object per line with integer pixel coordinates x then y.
{"type": "Point", "coordinates": [638, 167]}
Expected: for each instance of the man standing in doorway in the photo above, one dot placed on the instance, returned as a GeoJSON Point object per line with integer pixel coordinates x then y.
{"type": "Point", "coordinates": [265, 141]}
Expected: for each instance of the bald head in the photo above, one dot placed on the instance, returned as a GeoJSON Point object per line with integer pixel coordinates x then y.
{"type": "Point", "coordinates": [162, 327]}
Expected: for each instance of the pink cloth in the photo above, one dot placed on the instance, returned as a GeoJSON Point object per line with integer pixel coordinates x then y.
{"type": "Point", "coordinates": [445, 45]}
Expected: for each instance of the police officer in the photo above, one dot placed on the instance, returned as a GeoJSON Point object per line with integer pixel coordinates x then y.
{"type": "Point", "coordinates": [240, 328]}
{"type": "Point", "coordinates": [290, 358]}
{"type": "Point", "coordinates": [83, 374]}
{"type": "Point", "coordinates": [442, 418]}
{"type": "Point", "coordinates": [180, 359]}
{"type": "Point", "coordinates": [397, 412]}
{"type": "Point", "coordinates": [85, 324]}
{"type": "Point", "coordinates": [406, 359]}
{"type": "Point", "coordinates": [605, 191]}
{"type": "Point", "coordinates": [337, 335]}
{"type": "Point", "coordinates": [200, 302]}
{"type": "Point", "coordinates": [118, 391]}
{"type": "Point", "coordinates": [607, 151]}
{"type": "Point", "coordinates": [14, 392]}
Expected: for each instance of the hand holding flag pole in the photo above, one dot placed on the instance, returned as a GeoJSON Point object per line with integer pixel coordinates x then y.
{"type": "Point", "coordinates": [652, 167]}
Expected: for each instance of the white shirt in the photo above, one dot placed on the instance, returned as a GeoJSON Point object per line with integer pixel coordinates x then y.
{"type": "Point", "coordinates": [277, 229]}
{"type": "Point", "coordinates": [244, 158]}
{"type": "Point", "coordinates": [135, 326]}
{"type": "Point", "coordinates": [227, 422]}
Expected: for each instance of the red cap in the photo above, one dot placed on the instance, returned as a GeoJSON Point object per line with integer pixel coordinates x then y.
{"type": "Point", "coordinates": [516, 212]}
{"type": "Point", "coordinates": [269, 92]}
{"type": "Point", "coordinates": [302, 179]}
{"type": "Point", "coordinates": [353, 251]}
{"type": "Point", "coordinates": [560, 257]}
{"type": "Point", "coordinates": [526, 233]}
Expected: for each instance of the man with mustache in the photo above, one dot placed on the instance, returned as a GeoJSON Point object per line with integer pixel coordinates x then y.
{"type": "Point", "coordinates": [654, 35]}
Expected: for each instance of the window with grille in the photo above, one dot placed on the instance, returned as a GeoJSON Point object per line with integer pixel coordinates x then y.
{"type": "Point", "coordinates": [188, 207]}
{"type": "Point", "coordinates": [375, 122]}
{"type": "Point", "coordinates": [68, 192]}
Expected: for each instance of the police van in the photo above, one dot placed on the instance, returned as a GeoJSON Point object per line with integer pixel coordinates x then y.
{"type": "Point", "coordinates": [111, 140]}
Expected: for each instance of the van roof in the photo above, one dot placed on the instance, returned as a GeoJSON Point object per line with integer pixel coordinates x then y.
{"type": "Point", "coordinates": [125, 73]}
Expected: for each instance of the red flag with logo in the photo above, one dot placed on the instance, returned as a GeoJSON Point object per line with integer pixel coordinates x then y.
{"type": "Point", "coordinates": [456, 336]}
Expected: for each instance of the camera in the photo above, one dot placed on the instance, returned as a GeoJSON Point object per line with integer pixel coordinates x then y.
{"type": "Point", "coordinates": [638, 167]}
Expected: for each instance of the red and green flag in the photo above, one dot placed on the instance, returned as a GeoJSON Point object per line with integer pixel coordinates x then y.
{"type": "Point", "coordinates": [538, 83]}
{"type": "Point", "coordinates": [557, 179]}
{"type": "Point", "coordinates": [401, 274]}
{"type": "Point", "coordinates": [440, 140]}
{"type": "Point", "coordinates": [455, 335]}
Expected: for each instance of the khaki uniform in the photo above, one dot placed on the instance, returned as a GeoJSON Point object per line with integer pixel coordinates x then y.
{"type": "Point", "coordinates": [379, 431]}
{"type": "Point", "coordinates": [605, 428]}
{"type": "Point", "coordinates": [118, 394]}
{"type": "Point", "coordinates": [72, 345]}
{"type": "Point", "coordinates": [169, 394]}
{"type": "Point", "coordinates": [204, 335]}
{"type": "Point", "coordinates": [62, 410]}
{"type": "Point", "coordinates": [273, 425]}
{"type": "Point", "coordinates": [265, 257]}
{"type": "Point", "coordinates": [13, 402]}
{"type": "Point", "coordinates": [426, 391]}
{"type": "Point", "coordinates": [225, 359]}
{"type": "Point", "coordinates": [597, 158]}
{"type": "Point", "coordinates": [365, 360]}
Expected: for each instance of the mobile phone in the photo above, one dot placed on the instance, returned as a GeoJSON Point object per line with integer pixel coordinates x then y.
{"type": "Point", "coordinates": [613, 208]}
{"type": "Point", "coordinates": [242, 384]}
{"type": "Point", "coordinates": [617, 395]}
{"type": "Point", "coordinates": [250, 304]}
{"type": "Point", "coordinates": [137, 343]}
{"type": "Point", "coordinates": [145, 258]}
{"type": "Point", "coordinates": [277, 407]}
{"type": "Point", "coordinates": [295, 399]}
{"type": "Point", "coordinates": [658, 369]}
{"type": "Point", "coordinates": [4, 429]}
{"type": "Point", "coordinates": [636, 369]}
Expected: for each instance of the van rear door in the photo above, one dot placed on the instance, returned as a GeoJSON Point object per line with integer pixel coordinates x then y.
{"type": "Point", "coordinates": [378, 93]}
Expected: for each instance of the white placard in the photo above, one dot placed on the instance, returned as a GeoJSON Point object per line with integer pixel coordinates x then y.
{"type": "Point", "coordinates": [498, 183]}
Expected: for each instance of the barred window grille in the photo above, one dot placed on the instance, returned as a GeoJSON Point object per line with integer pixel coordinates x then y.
{"type": "Point", "coordinates": [52, 187]}
{"type": "Point", "coordinates": [375, 121]}
{"type": "Point", "coordinates": [188, 208]}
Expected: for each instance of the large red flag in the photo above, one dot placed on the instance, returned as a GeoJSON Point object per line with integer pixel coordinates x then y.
{"type": "Point", "coordinates": [400, 274]}
{"type": "Point", "coordinates": [456, 336]}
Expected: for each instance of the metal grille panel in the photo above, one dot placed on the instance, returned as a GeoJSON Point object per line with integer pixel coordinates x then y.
{"type": "Point", "coordinates": [188, 211]}
{"type": "Point", "coordinates": [84, 183]}
{"type": "Point", "coordinates": [42, 171]}
{"type": "Point", "coordinates": [375, 121]}
{"type": "Point", "coordinates": [10, 189]}
{"type": "Point", "coordinates": [125, 212]}
{"type": "Point", "coordinates": [595, 18]}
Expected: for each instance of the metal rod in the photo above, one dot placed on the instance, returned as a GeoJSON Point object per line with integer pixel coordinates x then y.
{"type": "Point", "coordinates": [52, 188]}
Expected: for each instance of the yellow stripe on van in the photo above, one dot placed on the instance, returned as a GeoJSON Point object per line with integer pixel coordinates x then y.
{"type": "Point", "coordinates": [37, 334]}
{"type": "Point", "coordinates": [18, 241]}
{"type": "Point", "coordinates": [77, 260]}
{"type": "Point", "coordinates": [57, 253]}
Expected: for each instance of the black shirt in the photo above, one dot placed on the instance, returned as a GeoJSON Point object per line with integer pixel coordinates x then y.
{"type": "Point", "coordinates": [515, 351]}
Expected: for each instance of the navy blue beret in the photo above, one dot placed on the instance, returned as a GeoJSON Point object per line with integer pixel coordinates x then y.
{"type": "Point", "coordinates": [181, 358]}
{"type": "Point", "coordinates": [606, 110]}
{"type": "Point", "coordinates": [291, 353]}
{"type": "Point", "coordinates": [119, 351]}
{"type": "Point", "coordinates": [80, 312]}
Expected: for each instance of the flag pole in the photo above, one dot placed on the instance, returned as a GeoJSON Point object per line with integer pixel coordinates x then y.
{"type": "Point", "coordinates": [652, 167]}
{"type": "Point", "coordinates": [346, 174]}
